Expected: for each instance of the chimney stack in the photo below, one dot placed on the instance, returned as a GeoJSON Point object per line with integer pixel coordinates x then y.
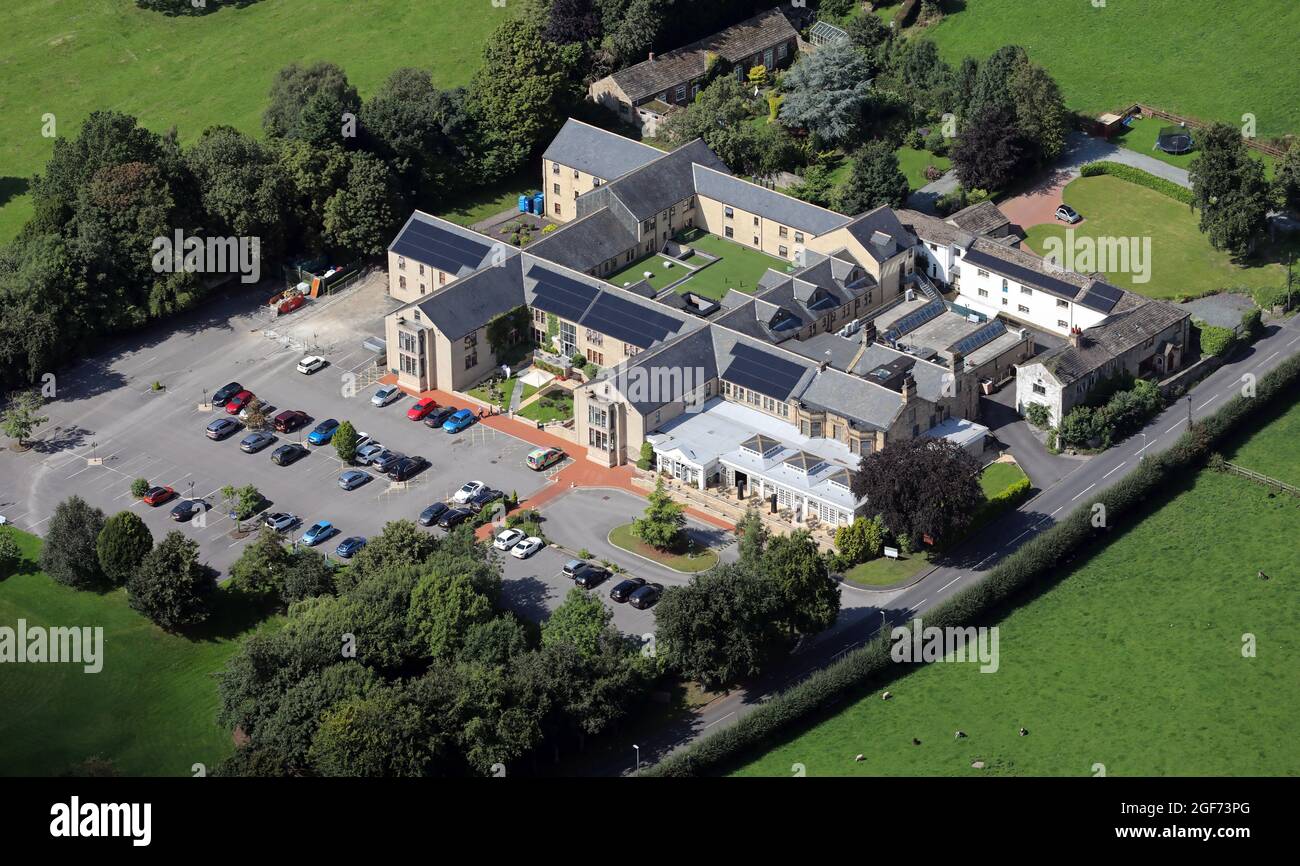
{"type": "Point", "coordinates": [1076, 336]}
{"type": "Point", "coordinates": [909, 388]}
{"type": "Point", "coordinates": [869, 333]}
{"type": "Point", "coordinates": [652, 56]}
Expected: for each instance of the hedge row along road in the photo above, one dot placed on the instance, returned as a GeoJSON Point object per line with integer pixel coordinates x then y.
{"type": "Point", "coordinates": [975, 560]}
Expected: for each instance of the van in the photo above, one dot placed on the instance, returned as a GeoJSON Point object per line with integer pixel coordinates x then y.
{"type": "Point", "coordinates": [289, 420]}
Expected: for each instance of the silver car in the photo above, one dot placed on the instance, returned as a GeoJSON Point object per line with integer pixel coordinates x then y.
{"type": "Point", "coordinates": [385, 395]}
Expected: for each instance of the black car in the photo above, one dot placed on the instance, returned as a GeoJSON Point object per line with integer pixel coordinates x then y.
{"type": "Point", "coordinates": [222, 427]}
{"type": "Point", "coordinates": [435, 418]}
{"type": "Point", "coordinates": [484, 497]}
{"type": "Point", "coordinates": [188, 508]}
{"type": "Point", "coordinates": [406, 467]}
{"type": "Point", "coordinates": [223, 395]}
{"type": "Point", "coordinates": [453, 517]}
{"type": "Point", "coordinates": [646, 596]}
{"type": "Point", "coordinates": [625, 588]}
{"type": "Point", "coordinates": [430, 515]}
{"type": "Point", "coordinates": [286, 454]}
{"type": "Point", "coordinates": [591, 576]}
{"type": "Point", "coordinates": [254, 442]}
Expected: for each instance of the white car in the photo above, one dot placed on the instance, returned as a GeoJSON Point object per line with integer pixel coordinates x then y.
{"type": "Point", "coordinates": [527, 547]}
{"type": "Point", "coordinates": [508, 539]}
{"type": "Point", "coordinates": [462, 495]}
{"type": "Point", "coordinates": [311, 364]}
{"type": "Point", "coordinates": [385, 395]}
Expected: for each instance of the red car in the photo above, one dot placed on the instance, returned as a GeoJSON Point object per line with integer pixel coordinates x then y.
{"type": "Point", "coordinates": [290, 304]}
{"type": "Point", "coordinates": [238, 402]}
{"type": "Point", "coordinates": [419, 410]}
{"type": "Point", "coordinates": [158, 495]}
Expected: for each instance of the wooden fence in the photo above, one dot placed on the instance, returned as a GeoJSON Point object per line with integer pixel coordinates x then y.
{"type": "Point", "coordinates": [1261, 479]}
{"type": "Point", "coordinates": [1151, 111]}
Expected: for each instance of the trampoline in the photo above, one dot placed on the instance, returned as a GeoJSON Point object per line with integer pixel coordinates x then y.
{"type": "Point", "coordinates": [1175, 140]}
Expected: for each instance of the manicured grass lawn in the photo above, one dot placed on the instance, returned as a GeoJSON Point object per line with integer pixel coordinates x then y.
{"type": "Point", "coordinates": [1273, 451]}
{"type": "Point", "coordinates": [740, 268]}
{"type": "Point", "coordinates": [997, 477]}
{"type": "Point", "coordinates": [151, 710]}
{"type": "Point", "coordinates": [1157, 51]}
{"type": "Point", "coordinates": [914, 162]}
{"type": "Point", "coordinates": [482, 202]}
{"type": "Point", "coordinates": [1182, 262]}
{"type": "Point", "coordinates": [557, 406]}
{"type": "Point", "coordinates": [883, 571]}
{"type": "Point", "coordinates": [660, 276]}
{"type": "Point", "coordinates": [507, 392]}
{"type": "Point", "coordinates": [1141, 138]}
{"type": "Point", "coordinates": [70, 57]}
{"type": "Point", "coordinates": [695, 560]}
{"type": "Point", "coordinates": [1134, 660]}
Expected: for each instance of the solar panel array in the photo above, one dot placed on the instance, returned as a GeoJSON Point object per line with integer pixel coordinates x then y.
{"type": "Point", "coordinates": [1101, 297]}
{"type": "Point", "coordinates": [758, 371]}
{"type": "Point", "coordinates": [1023, 275]}
{"type": "Point", "coordinates": [914, 320]}
{"type": "Point", "coordinates": [632, 323]}
{"type": "Point", "coordinates": [561, 295]}
{"type": "Point", "coordinates": [437, 246]}
{"type": "Point", "coordinates": [984, 335]}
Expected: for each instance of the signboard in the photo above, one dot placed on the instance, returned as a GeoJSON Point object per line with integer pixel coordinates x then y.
{"type": "Point", "coordinates": [891, 552]}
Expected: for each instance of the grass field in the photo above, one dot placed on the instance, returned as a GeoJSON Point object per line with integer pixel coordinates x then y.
{"type": "Point", "coordinates": [151, 710]}
{"type": "Point", "coordinates": [1212, 61]}
{"type": "Point", "coordinates": [1141, 137]}
{"type": "Point", "coordinates": [997, 477]}
{"type": "Point", "coordinates": [1272, 451]}
{"type": "Point", "coordinates": [914, 162]}
{"type": "Point", "coordinates": [883, 571]}
{"type": "Point", "coordinates": [70, 57]}
{"type": "Point", "coordinates": [1134, 660]}
{"type": "Point", "coordinates": [1182, 262]}
{"type": "Point", "coordinates": [740, 268]}
{"type": "Point", "coordinates": [556, 406]}
{"type": "Point", "coordinates": [692, 561]}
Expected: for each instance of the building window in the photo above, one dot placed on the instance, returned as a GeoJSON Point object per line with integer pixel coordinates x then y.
{"type": "Point", "coordinates": [728, 230]}
{"type": "Point", "coordinates": [595, 337]}
{"type": "Point", "coordinates": [984, 293]}
{"type": "Point", "coordinates": [681, 92]}
{"type": "Point", "coordinates": [401, 282]}
{"type": "Point", "coordinates": [728, 212]}
{"type": "Point", "coordinates": [781, 51]}
{"type": "Point", "coordinates": [1039, 389]}
{"type": "Point", "coordinates": [595, 182]}
{"type": "Point", "coordinates": [1004, 302]}
{"type": "Point", "coordinates": [783, 232]}
{"type": "Point", "coordinates": [1061, 303]}
{"type": "Point", "coordinates": [756, 240]}
{"type": "Point", "coordinates": [981, 272]}
{"type": "Point", "coordinates": [471, 340]}
{"type": "Point", "coordinates": [555, 168]}
{"type": "Point", "coordinates": [424, 290]}
{"type": "Point", "coordinates": [1061, 323]}
{"type": "Point", "coordinates": [782, 251]}
{"type": "Point", "coordinates": [595, 357]}
{"type": "Point", "coordinates": [1022, 308]}
{"type": "Point", "coordinates": [442, 278]}
{"type": "Point", "coordinates": [598, 439]}
{"type": "Point", "coordinates": [555, 187]}
{"type": "Point", "coordinates": [557, 207]}
{"type": "Point", "coordinates": [630, 350]}
{"type": "Point", "coordinates": [421, 270]}
{"type": "Point", "coordinates": [1026, 291]}
{"type": "Point", "coordinates": [471, 360]}
{"type": "Point", "coordinates": [756, 221]}
{"type": "Point", "coordinates": [576, 175]}
{"type": "Point", "coordinates": [401, 263]}
{"type": "Point", "coordinates": [798, 237]}
{"type": "Point", "coordinates": [1004, 285]}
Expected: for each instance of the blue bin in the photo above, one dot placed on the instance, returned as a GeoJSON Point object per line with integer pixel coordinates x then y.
{"type": "Point", "coordinates": [524, 204]}
{"type": "Point", "coordinates": [539, 203]}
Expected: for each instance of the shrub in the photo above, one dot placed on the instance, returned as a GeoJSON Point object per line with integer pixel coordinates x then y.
{"type": "Point", "coordinates": [122, 545]}
{"type": "Point", "coordinates": [860, 540]}
{"type": "Point", "coordinates": [1213, 340]}
{"type": "Point", "coordinates": [1124, 412]}
{"type": "Point", "coordinates": [1252, 325]}
{"type": "Point", "coordinates": [10, 556]}
{"type": "Point", "coordinates": [1139, 177]}
{"type": "Point", "coordinates": [913, 139]}
{"type": "Point", "coordinates": [646, 461]}
{"type": "Point", "coordinates": [139, 487]}
{"type": "Point", "coordinates": [1039, 415]}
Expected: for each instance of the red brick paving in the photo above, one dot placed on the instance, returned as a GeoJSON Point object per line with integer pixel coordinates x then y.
{"type": "Point", "coordinates": [1038, 204]}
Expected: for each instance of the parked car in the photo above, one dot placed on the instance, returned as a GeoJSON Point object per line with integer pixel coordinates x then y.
{"type": "Point", "coordinates": [156, 496]}
{"type": "Point", "coordinates": [254, 442]}
{"type": "Point", "coordinates": [186, 509]}
{"type": "Point", "coordinates": [353, 478]}
{"type": "Point", "coordinates": [222, 427]}
{"type": "Point", "coordinates": [439, 416]}
{"type": "Point", "coordinates": [1067, 214]}
{"type": "Point", "coordinates": [407, 468]}
{"type": "Point", "coordinates": [385, 395]}
{"type": "Point", "coordinates": [288, 454]}
{"type": "Point", "coordinates": [223, 395]}
{"type": "Point", "coordinates": [572, 567]}
{"type": "Point", "coordinates": [318, 532]}
{"type": "Point", "coordinates": [366, 453]}
{"type": "Point", "coordinates": [508, 539]}
{"type": "Point", "coordinates": [236, 403]}
{"type": "Point", "coordinates": [453, 517]}
{"type": "Point", "coordinates": [386, 461]}
{"type": "Point", "coordinates": [290, 420]}
{"type": "Point", "coordinates": [324, 432]}
{"type": "Point", "coordinates": [430, 515]}
{"type": "Point", "coordinates": [466, 491]}
{"type": "Point", "coordinates": [591, 577]}
{"type": "Point", "coordinates": [527, 547]}
{"type": "Point", "coordinates": [459, 420]}
{"type": "Point", "coordinates": [280, 520]}
{"type": "Point", "coordinates": [365, 439]}
{"type": "Point", "coordinates": [349, 546]}
{"type": "Point", "coordinates": [422, 408]}
{"type": "Point", "coordinates": [646, 596]}
{"type": "Point", "coordinates": [311, 364]}
{"type": "Point", "coordinates": [541, 458]}
{"type": "Point", "coordinates": [624, 588]}
{"type": "Point", "coordinates": [483, 497]}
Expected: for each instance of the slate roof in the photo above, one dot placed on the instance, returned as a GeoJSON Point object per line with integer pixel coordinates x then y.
{"type": "Point", "coordinates": [1120, 332]}
{"type": "Point", "coordinates": [982, 218]}
{"type": "Point", "coordinates": [934, 230]}
{"type": "Point", "coordinates": [467, 304]}
{"type": "Point", "coordinates": [586, 242]}
{"type": "Point", "coordinates": [668, 180]}
{"type": "Point", "coordinates": [598, 152]}
{"type": "Point", "coordinates": [767, 203]}
{"type": "Point", "coordinates": [881, 233]}
{"type": "Point", "coordinates": [1032, 270]}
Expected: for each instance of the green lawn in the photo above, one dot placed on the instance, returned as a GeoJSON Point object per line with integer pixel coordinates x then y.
{"type": "Point", "coordinates": [662, 272]}
{"type": "Point", "coordinates": [1212, 61]}
{"type": "Point", "coordinates": [556, 406]}
{"type": "Point", "coordinates": [1182, 262]}
{"type": "Point", "coordinates": [883, 571]}
{"type": "Point", "coordinates": [1134, 660]}
{"type": "Point", "coordinates": [914, 162]}
{"type": "Point", "coordinates": [740, 268]}
{"type": "Point", "coordinates": [695, 560]}
{"type": "Point", "coordinates": [70, 57]}
{"type": "Point", "coordinates": [482, 202]}
{"type": "Point", "coordinates": [1273, 450]}
{"type": "Point", "coordinates": [1141, 138]}
{"type": "Point", "coordinates": [502, 401]}
{"type": "Point", "coordinates": [151, 710]}
{"type": "Point", "coordinates": [997, 477]}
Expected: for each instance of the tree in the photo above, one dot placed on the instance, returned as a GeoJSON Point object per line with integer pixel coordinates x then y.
{"type": "Point", "coordinates": [420, 131]}
{"type": "Point", "coordinates": [22, 416]}
{"type": "Point", "coordinates": [11, 556]}
{"type": "Point", "coordinates": [380, 735]}
{"type": "Point", "coordinates": [242, 187]}
{"type": "Point", "coordinates": [664, 524]}
{"type": "Point", "coordinates": [139, 487]}
{"type": "Point", "coordinates": [875, 180]}
{"type": "Point", "coordinates": [309, 103]}
{"type": "Point", "coordinates": [990, 150]}
{"type": "Point", "coordinates": [753, 534]}
{"type": "Point", "coordinates": [361, 217]}
{"type": "Point", "coordinates": [122, 545]}
{"type": "Point", "coordinates": [1041, 115]}
{"type": "Point", "coordinates": [309, 575]}
{"type": "Point", "coordinates": [993, 87]}
{"type": "Point", "coordinates": [256, 417]}
{"type": "Point", "coordinates": [1286, 178]}
{"type": "Point", "coordinates": [827, 92]}
{"type": "Point", "coordinates": [860, 540]}
{"type": "Point", "coordinates": [571, 21]}
{"type": "Point", "coordinates": [869, 35]}
{"type": "Point", "coordinates": [921, 486]}
{"type": "Point", "coordinates": [811, 599]}
{"type": "Point", "coordinates": [400, 543]}
{"type": "Point", "coordinates": [242, 502]}
{"type": "Point", "coordinates": [444, 607]}
{"type": "Point", "coordinates": [263, 565]}
{"type": "Point", "coordinates": [345, 441]}
{"type": "Point", "coordinates": [171, 586]}
{"type": "Point", "coordinates": [1229, 189]}
{"type": "Point", "coordinates": [580, 620]}
{"type": "Point", "coordinates": [646, 460]}
{"type": "Point", "coordinates": [69, 555]}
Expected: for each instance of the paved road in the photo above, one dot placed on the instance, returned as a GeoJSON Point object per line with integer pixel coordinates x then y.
{"type": "Point", "coordinates": [859, 624]}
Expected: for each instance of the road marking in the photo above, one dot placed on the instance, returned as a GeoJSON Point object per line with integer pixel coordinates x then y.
{"type": "Point", "coordinates": [1175, 427]}
{"type": "Point", "coordinates": [721, 719]}
{"type": "Point", "coordinates": [1018, 537]}
{"type": "Point", "coordinates": [1113, 471]}
{"type": "Point", "coordinates": [1293, 341]}
{"type": "Point", "coordinates": [1207, 402]}
{"type": "Point", "coordinates": [950, 583]}
{"type": "Point", "coordinates": [917, 606]}
{"type": "Point", "coordinates": [1053, 514]}
{"type": "Point", "coordinates": [1269, 358]}
{"type": "Point", "coordinates": [1083, 491]}
{"type": "Point", "coordinates": [1144, 447]}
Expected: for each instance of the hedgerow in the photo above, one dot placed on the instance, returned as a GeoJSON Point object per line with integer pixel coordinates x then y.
{"type": "Point", "coordinates": [1139, 177]}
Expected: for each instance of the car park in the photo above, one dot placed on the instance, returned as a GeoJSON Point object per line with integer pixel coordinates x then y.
{"type": "Point", "coordinates": [353, 478]}
{"type": "Point", "coordinates": [323, 432]}
{"type": "Point", "coordinates": [542, 458]}
{"type": "Point", "coordinates": [311, 364]}
{"type": "Point", "coordinates": [318, 532]}
{"type": "Point", "coordinates": [236, 403]}
{"type": "Point", "coordinates": [508, 539]}
{"type": "Point", "coordinates": [625, 588]}
{"type": "Point", "coordinates": [290, 420]}
{"type": "Point", "coordinates": [350, 545]}
{"type": "Point", "coordinates": [254, 442]}
{"type": "Point", "coordinates": [386, 461]}
{"type": "Point", "coordinates": [591, 577]}
{"type": "Point", "coordinates": [483, 497]}
{"type": "Point", "coordinates": [527, 547]}
{"type": "Point", "coordinates": [385, 395]}
{"type": "Point", "coordinates": [286, 455]}
{"type": "Point", "coordinates": [467, 490]}
{"type": "Point", "coordinates": [1067, 214]}
{"type": "Point", "coordinates": [430, 515]}
{"type": "Point", "coordinates": [156, 496]}
{"type": "Point", "coordinates": [453, 517]}
{"type": "Point", "coordinates": [366, 453]}
{"type": "Point", "coordinates": [646, 596]}
{"type": "Point", "coordinates": [222, 427]}
{"type": "Point", "coordinates": [407, 468]}
{"type": "Point", "coordinates": [459, 420]}
{"type": "Point", "coordinates": [439, 416]}
{"type": "Point", "coordinates": [422, 408]}
{"type": "Point", "coordinates": [223, 395]}
{"type": "Point", "coordinates": [280, 520]}
{"type": "Point", "coordinates": [186, 509]}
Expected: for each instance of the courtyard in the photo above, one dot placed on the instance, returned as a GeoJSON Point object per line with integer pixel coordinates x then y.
{"type": "Point", "coordinates": [738, 267]}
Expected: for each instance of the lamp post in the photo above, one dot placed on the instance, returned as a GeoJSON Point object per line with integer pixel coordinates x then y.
{"type": "Point", "coordinates": [638, 757]}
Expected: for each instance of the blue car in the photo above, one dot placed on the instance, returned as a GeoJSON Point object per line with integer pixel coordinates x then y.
{"type": "Point", "coordinates": [318, 532]}
{"type": "Point", "coordinates": [324, 432]}
{"type": "Point", "coordinates": [349, 546]}
{"type": "Point", "coordinates": [458, 421]}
